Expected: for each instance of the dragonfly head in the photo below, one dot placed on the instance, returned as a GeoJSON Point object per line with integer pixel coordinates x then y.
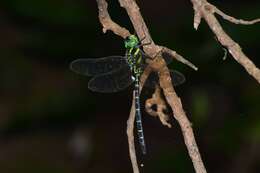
{"type": "Point", "coordinates": [131, 41]}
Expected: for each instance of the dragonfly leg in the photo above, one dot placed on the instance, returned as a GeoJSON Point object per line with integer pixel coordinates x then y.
{"type": "Point", "coordinates": [143, 53]}
{"type": "Point", "coordinates": [144, 44]}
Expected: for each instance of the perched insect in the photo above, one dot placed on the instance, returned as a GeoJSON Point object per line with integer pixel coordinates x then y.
{"type": "Point", "coordinates": [115, 73]}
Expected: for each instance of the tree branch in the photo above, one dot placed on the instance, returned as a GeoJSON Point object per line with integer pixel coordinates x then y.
{"type": "Point", "coordinates": [203, 9]}
{"type": "Point", "coordinates": [180, 116]}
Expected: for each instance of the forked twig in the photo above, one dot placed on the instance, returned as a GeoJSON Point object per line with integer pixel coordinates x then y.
{"type": "Point", "coordinates": [203, 9]}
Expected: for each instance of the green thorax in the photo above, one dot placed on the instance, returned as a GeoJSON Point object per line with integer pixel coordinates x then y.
{"type": "Point", "coordinates": [134, 55]}
{"type": "Point", "coordinates": [131, 42]}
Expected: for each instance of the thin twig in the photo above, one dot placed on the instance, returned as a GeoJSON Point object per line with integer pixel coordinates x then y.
{"type": "Point", "coordinates": [130, 137]}
{"type": "Point", "coordinates": [234, 20]}
{"type": "Point", "coordinates": [179, 58]}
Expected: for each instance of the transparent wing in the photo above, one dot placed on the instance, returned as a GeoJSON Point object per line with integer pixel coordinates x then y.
{"type": "Point", "coordinates": [176, 77]}
{"type": "Point", "coordinates": [97, 66]}
{"type": "Point", "coordinates": [112, 82]}
{"type": "Point", "coordinates": [167, 58]}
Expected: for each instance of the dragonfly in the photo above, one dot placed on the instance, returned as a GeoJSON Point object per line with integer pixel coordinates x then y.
{"type": "Point", "coordinates": [116, 73]}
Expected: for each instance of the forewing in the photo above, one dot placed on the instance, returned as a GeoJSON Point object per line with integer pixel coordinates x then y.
{"type": "Point", "coordinates": [112, 82]}
{"type": "Point", "coordinates": [167, 57]}
{"type": "Point", "coordinates": [176, 77]}
{"type": "Point", "coordinates": [97, 66]}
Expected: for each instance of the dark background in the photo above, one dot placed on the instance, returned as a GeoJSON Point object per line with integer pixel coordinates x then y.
{"type": "Point", "coordinates": [50, 122]}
